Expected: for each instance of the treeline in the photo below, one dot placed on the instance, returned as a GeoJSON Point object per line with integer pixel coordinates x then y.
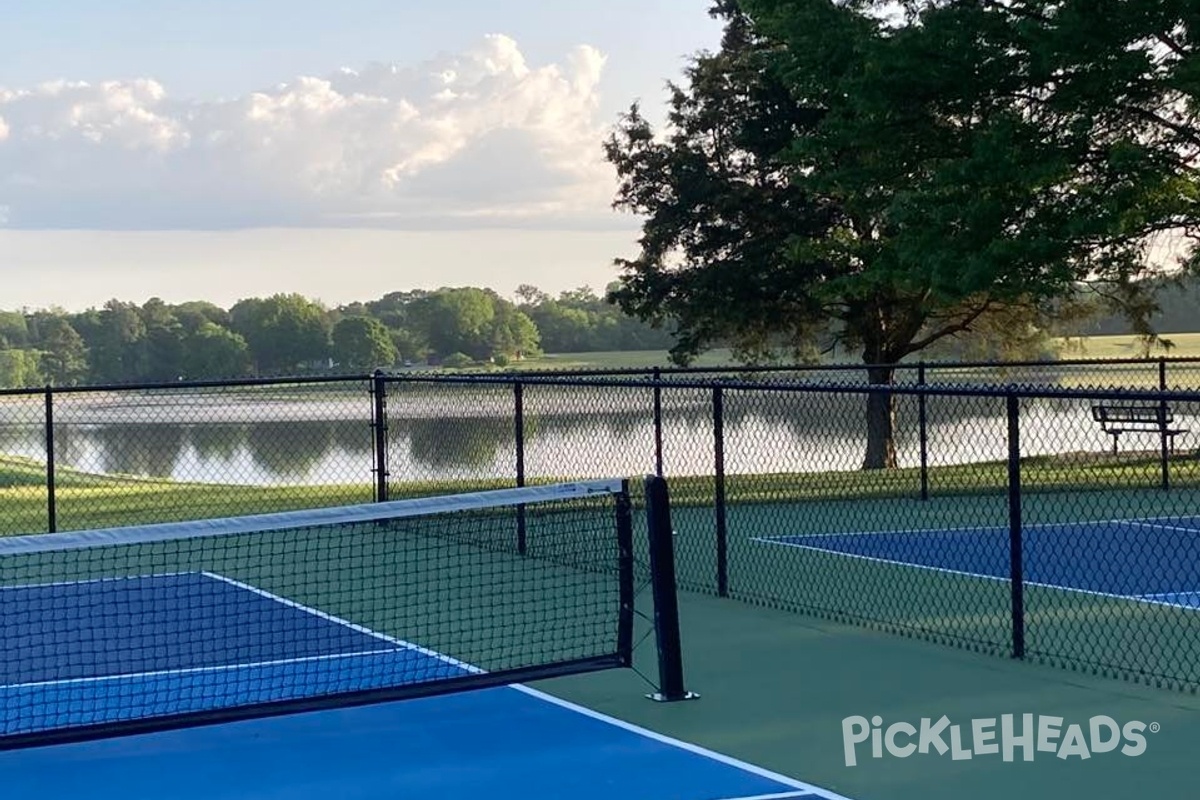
{"type": "Point", "coordinates": [286, 334]}
{"type": "Point", "coordinates": [1177, 303]}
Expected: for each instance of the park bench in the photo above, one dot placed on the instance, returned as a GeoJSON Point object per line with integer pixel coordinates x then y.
{"type": "Point", "coordinates": [1118, 419]}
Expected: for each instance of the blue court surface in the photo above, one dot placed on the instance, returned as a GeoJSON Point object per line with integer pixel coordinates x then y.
{"type": "Point", "coordinates": [72, 654]}
{"type": "Point", "coordinates": [1149, 560]}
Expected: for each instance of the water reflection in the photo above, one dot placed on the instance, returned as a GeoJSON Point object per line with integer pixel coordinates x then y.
{"type": "Point", "coordinates": [453, 444]}
{"type": "Point", "coordinates": [151, 450]}
{"type": "Point", "coordinates": [289, 449]}
{"type": "Point", "coordinates": [599, 433]}
{"type": "Point", "coordinates": [217, 442]}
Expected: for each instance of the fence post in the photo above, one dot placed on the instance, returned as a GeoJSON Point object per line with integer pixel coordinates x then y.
{"type": "Point", "coordinates": [923, 431]}
{"type": "Point", "coordinates": [379, 431]}
{"type": "Point", "coordinates": [519, 437]}
{"type": "Point", "coordinates": [658, 424]}
{"type": "Point", "coordinates": [1164, 439]}
{"type": "Point", "coordinates": [51, 500]}
{"type": "Point", "coordinates": [1016, 558]}
{"type": "Point", "coordinates": [719, 491]}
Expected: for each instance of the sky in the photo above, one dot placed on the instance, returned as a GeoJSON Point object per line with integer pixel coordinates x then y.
{"type": "Point", "coordinates": [218, 150]}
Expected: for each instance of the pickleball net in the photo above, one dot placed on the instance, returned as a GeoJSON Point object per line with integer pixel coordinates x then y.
{"type": "Point", "coordinates": [128, 630]}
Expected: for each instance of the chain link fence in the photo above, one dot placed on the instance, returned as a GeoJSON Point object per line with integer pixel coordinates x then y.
{"type": "Point", "coordinates": [91, 458]}
{"type": "Point", "coordinates": [1054, 524]}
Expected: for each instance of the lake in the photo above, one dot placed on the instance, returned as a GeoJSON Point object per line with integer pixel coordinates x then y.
{"type": "Point", "coordinates": [296, 435]}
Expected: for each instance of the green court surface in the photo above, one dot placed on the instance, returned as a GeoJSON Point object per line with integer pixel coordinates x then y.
{"type": "Point", "coordinates": [775, 686]}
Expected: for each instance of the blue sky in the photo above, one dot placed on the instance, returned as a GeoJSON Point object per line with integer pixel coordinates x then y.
{"type": "Point", "coordinates": [135, 135]}
{"type": "Point", "coordinates": [204, 48]}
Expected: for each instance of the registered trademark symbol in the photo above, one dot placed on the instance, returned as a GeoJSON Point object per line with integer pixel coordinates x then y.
{"type": "Point", "coordinates": [1155, 727]}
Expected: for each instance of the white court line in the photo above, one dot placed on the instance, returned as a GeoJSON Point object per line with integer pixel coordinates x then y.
{"type": "Point", "coordinates": [113, 578]}
{"type": "Point", "coordinates": [891, 562]}
{"type": "Point", "coordinates": [804, 788]}
{"type": "Point", "coordinates": [1166, 604]}
{"type": "Point", "coordinates": [339, 621]}
{"type": "Point", "coordinates": [1153, 527]}
{"type": "Point", "coordinates": [197, 670]}
{"type": "Point", "coordinates": [1000, 528]}
{"type": "Point", "coordinates": [691, 748]}
{"type": "Point", "coordinates": [1172, 594]}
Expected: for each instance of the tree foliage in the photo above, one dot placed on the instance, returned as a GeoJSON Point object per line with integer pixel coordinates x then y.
{"type": "Point", "coordinates": [212, 352]}
{"type": "Point", "coordinates": [285, 332]}
{"type": "Point", "coordinates": [838, 174]}
{"type": "Point", "coordinates": [123, 342]}
{"type": "Point", "coordinates": [581, 321]}
{"type": "Point", "coordinates": [719, 208]}
{"type": "Point", "coordinates": [363, 344]}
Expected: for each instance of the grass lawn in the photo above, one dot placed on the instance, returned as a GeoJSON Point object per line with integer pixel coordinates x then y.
{"type": "Point", "coordinates": [631, 359]}
{"type": "Point", "coordinates": [1183, 345]}
{"type": "Point", "coordinates": [1098, 348]}
{"type": "Point", "coordinates": [89, 501]}
{"type": "Point", "coordinates": [1134, 376]}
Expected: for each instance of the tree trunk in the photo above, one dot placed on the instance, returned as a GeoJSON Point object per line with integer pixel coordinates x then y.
{"type": "Point", "coordinates": [881, 421]}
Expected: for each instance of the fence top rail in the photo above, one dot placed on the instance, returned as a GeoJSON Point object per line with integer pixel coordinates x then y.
{"type": "Point", "coordinates": [928, 390]}
{"type": "Point", "coordinates": [207, 384]}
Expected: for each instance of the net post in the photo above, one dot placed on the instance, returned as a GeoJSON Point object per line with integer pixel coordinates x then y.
{"type": "Point", "coordinates": [1016, 558]}
{"type": "Point", "coordinates": [666, 601]}
{"type": "Point", "coordinates": [519, 440]}
{"type": "Point", "coordinates": [625, 568]}
{"type": "Point", "coordinates": [379, 432]}
{"type": "Point", "coordinates": [51, 500]}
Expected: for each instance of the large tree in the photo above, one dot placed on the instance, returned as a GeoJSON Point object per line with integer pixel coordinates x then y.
{"type": "Point", "coordinates": [475, 322]}
{"type": "Point", "coordinates": [284, 331]}
{"type": "Point", "coordinates": [889, 177]}
{"type": "Point", "coordinates": [64, 355]}
{"type": "Point", "coordinates": [362, 343]}
{"type": "Point", "coordinates": [213, 352]}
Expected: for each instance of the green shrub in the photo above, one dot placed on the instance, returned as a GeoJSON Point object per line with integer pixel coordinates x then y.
{"type": "Point", "coordinates": [457, 361]}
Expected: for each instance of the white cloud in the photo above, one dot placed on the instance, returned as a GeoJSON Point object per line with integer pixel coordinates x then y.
{"type": "Point", "coordinates": [477, 135]}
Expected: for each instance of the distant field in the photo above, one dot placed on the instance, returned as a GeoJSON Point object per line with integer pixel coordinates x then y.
{"type": "Point", "coordinates": [1185, 345]}
{"type": "Point", "coordinates": [1100, 348]}
{"type": "Point", "coordinates": [631, 359]}
{"type": "Point", "coordinates": [1176, 345]}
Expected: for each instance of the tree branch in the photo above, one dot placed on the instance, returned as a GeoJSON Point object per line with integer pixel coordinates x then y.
{"type": "Point", "coordinates": [1186, 134]}
{"type": "Point", "coordinates": [1175, 47]}
{"type": "Point", "coordinates": [963, 324]}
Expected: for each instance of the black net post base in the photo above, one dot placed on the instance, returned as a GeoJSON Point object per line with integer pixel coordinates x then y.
{"type": "Point", "coordinates": [666, 600]}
